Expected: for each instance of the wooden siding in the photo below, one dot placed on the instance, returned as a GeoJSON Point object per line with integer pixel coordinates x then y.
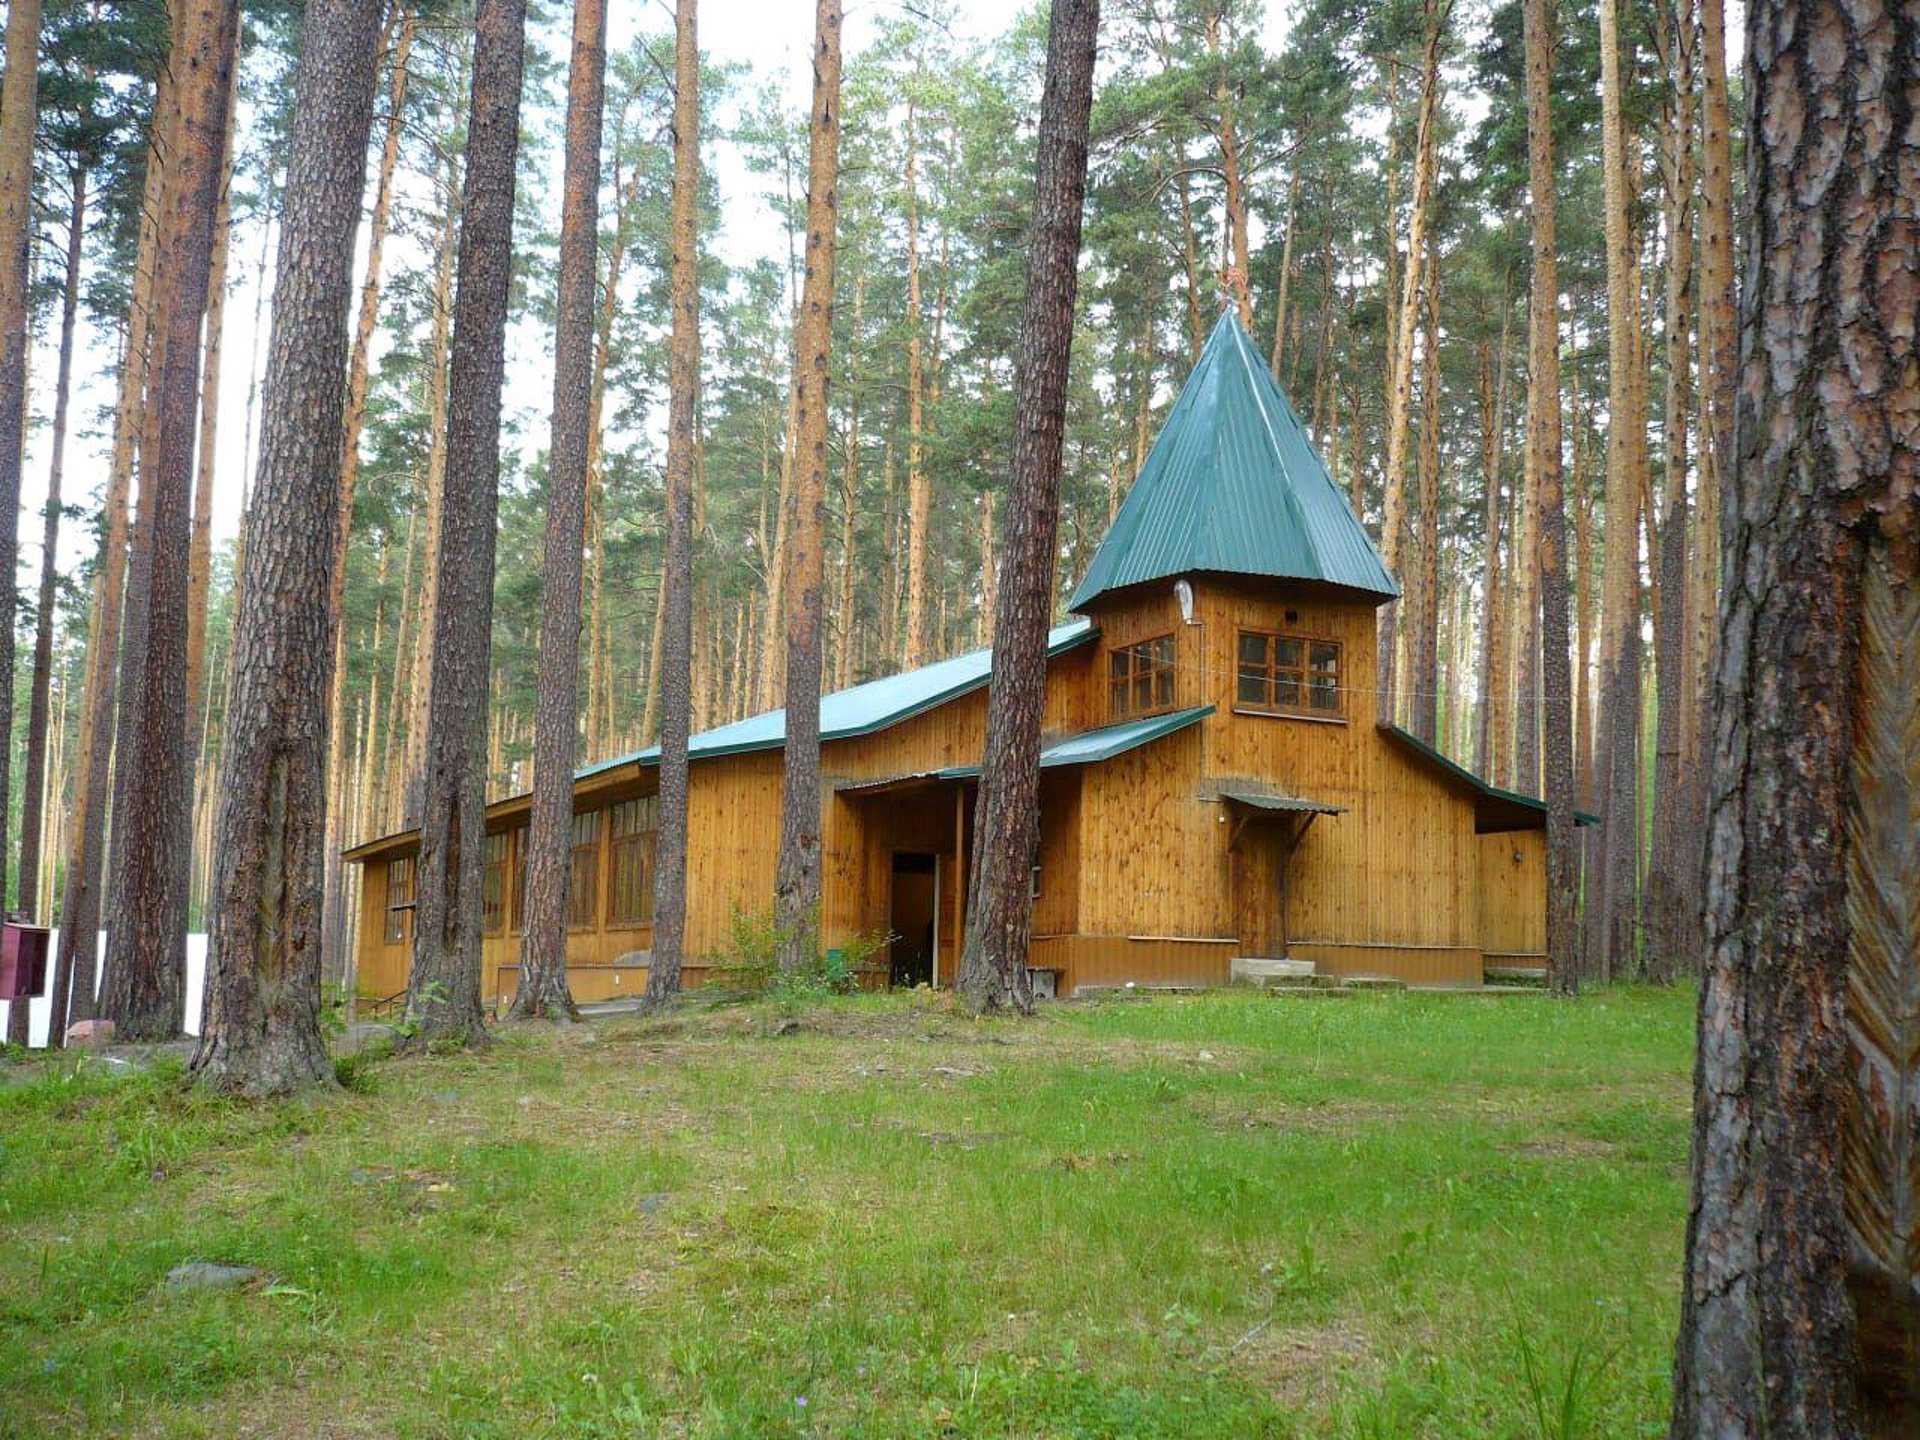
{"type": "Point", "coordinates": [1513, 886]}
{"type": "Point", "coordinates": [1145, 873]}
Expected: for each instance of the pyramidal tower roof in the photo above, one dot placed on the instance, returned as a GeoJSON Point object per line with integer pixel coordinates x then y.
{"type": "Point", "coordinates": [1234, 486]}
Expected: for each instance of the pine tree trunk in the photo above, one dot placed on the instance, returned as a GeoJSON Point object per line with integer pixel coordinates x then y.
{"type": "Point", "coordinates": [673, 644]}
{"type": "Point", "coordinates": [262, 1032]}
{"type": "Point", "coordinates": [336, 959]}
{"type": "Point", "coordinates": [919, 488]}
{"type": "Point", "coordinates": [796, 891]}
{"type": "Point", "coordinates": [1611, 922]}
{"type": "Point", "coordinates": [1425, 700]}
{"type": "Point", "coordinates": [1491, 741]}
{"type": "Point", "coordinates": [850, 498]}
{"type": "Point", "coordinates": [206, 469]}
{"type": "Point", "coordinates": [1400, 366]}
{"type": "Point", "coordinates": [1235, 194]}
{"type": "Point", "coordinates": [19, 109]}
{"type": "Point", "coordinates": [34, 797]}
{"type": "Point", "coordinates": [1543, 444]}
{"type": "Point", "coordinates": [1801, 1312]}
{"type": "Point", "coordinates": [1672, 940]}
{"type": "Point", "coordinates": [147, 921]}
{"type": "Point", "coordinates": [1280, 302]}
{"type": "Point", "coordinates": [443, 988]}
{"type": "Point", "coordinates": [1189, 257]}
{"type": "Point", "coordinates": [76, 962]}
{"type": "Point", "coordinates": [543, 988]}
{"type": "Point", "coordinates": [993, 967]}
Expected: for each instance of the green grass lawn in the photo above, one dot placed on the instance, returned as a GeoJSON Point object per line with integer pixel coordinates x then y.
{"type": "Point", "coordinates": [1231, 1215]}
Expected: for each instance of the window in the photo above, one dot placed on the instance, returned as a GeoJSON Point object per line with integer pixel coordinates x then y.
{"type": "Point", "coordinates": [583, 875]}
{"type": "Point", "coordinates": [399, 898]}
{"type": "Point", "coordinates": [630, 886]}
{"type": "Point", "coordinates": [1287, 675]}
{"type": "Point", "coordinates": [1140, 677]}
{"type": "Point", "coordinates": [493, 884]}
{"type": "Point", "coordinates": [519, 838]}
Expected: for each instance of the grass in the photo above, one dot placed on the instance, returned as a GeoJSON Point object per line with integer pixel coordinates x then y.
{"type": "Point", "coordinates": [1220, 1215]}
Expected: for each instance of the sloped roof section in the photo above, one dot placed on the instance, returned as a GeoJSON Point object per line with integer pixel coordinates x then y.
{"type": "Point", "coordinates": [1233, 485]}
{"type": "Point", "coordinates": [1090, 747]}
{"type": "Point", "coordinates": [1494, 809]}
{"type": "Point", "coordinates": [862, 710]}
{"type": "Point", "coordinates": [1280, 804]}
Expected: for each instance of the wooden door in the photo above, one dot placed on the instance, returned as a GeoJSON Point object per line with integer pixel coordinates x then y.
{"type": "Point", "coordinates": [1258, 916]}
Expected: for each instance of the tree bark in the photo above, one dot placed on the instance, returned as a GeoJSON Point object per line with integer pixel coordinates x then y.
{"type": "Point", "coordinates": [336, 958]}
{"type": "Point", "coordinates": [1424, 702]}
{"type": "Point", "coordinates": [674, 643]}
{"type": "Point", "coordinates": [1801, 1310]}
{"type": "Point", "coordinates": [1543, 443]}
{"type": "Point", "coordinates": [850, 498]}
{"type": "Point", "coordinates": [443, 988]}
{"type": "Point", "coordinates": [796, 890]}
{"type": "Point", "coordinates": [147, 922]}
{"type": "Point", "coordinates": [543, 991]}
{"type": "Point", "coordinates": [1611, 921]}
{"type": "Point", "coordinates": [1672, 936]}
{"type": "Point", "coordinates": [262, 1033]}
{"type": "Point", "coordinates": [19, 110]}
{"type": "Point", "coordinates": [993, 967]}
{"type": "Point", "coordinates": [34, 798]}
{"type": "Point", "coordinates": [919, 489]}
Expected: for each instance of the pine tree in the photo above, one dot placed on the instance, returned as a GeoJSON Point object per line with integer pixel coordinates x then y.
{"type": "Point", "coordinates": [993, 967]}
{"type": "Point", "coordinates": [443, 986]}
{"type": "Point", "coordinates": [543, 952]}
{"type": "Point", "coordinates": [261, 1034]}
{"type": "Point", "coordinates": [797, 877]}
{"type": "Point", "coordinates": [1799, 1315]}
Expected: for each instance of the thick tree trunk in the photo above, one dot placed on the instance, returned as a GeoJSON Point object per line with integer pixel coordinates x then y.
{"type": "Point", "coordinates": [543, 988]}
{"type": "Point", "coordinates": [34, 794]}
{"type": "Point", "coordinates": [673, 644]}
{"type": "Point", "coordinates": [1611, 921]}
{"type": "Point", "coordinates": [1543, 446]}
{"type": "Point", "coordinates": [1400, 366]}
{"type": "Point", "coordinates": [796, 888]}
{"type": "Point", "coordinates": [443, 988]}
{"type": "Point", "coordinates": [1801, 1312]}
{"type": "Point", "coordinates": [993, 967]}
{"type": "Point", "coordinates": [262, 1033]}
{"type": "Point", "coordinates": [148, 917]}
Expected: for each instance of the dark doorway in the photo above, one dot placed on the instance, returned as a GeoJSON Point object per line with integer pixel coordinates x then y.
{"type": "Point", "coordinates": [912, 919]}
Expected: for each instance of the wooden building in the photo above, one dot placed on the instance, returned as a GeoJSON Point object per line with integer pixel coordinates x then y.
{"type": "Point", "coordinates": [1216, 783]}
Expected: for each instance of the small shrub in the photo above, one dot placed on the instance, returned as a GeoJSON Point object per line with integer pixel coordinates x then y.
{"type": "Point", "coordinates": [756, 942]}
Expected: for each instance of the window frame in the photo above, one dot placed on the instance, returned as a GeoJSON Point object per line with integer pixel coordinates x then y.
{"type": "Point", "coordinates": [517, 879]}
{"type": "Point", "coordinates": [1301, 675]}
{"type": "Point", "coordinates": [493, 865]}
{"type": "Point", "coordinates": [642, 840]}
{"type": "Point", "coordinates": [576, 850]}
{"type": "Point", "coordinates": [394, 931]}
{"type": "Point", "coordinates": [1142, 665]}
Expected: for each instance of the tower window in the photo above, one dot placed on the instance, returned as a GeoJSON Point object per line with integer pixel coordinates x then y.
{"type": "Point", "coordinates": [1140, 678]}
{"type": "Point", "coordinates": [1287, 675]}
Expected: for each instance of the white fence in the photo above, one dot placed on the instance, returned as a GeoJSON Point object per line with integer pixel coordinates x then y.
{"type": "Point", "coordinates": [41, 1006]}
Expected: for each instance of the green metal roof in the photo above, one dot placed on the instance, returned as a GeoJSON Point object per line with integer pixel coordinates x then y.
{"type": "Point", "coordinates": [861, 710]}
{"type": "Point", "coordinates": [1281, 804]}
{"type": "Point", "coordinates": [1233, 485]}
{"type": "Point", "coordinates": [1090, 747]}
{"type": "Point", "coordinates": [1494, 808]}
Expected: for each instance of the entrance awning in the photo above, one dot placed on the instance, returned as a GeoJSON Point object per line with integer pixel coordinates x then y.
{"type": "Point", "coordinates": [1280, 804]}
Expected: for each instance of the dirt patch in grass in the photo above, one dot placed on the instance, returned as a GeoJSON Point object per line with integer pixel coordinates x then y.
{"type": "Point", "coordinates": [1302, 1366]}
{"type": "Point", "coordinates": [1228, 1113]}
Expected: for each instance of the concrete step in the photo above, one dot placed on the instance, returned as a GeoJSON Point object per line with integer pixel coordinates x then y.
{"type": "Point", "coordinates": [1374, 982]}
{"type": "Point", "coordinates": [1263, 971]}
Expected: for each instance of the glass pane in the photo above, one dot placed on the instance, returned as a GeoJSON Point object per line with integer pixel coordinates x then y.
{"type": "Point", "coordinates": [1118, 663]}
{"type": "Point", "coordinates": [1325, 695]}
{"type": "Point", "coordinates": [1163, 687]}
{"type": "Point", "coordinates": [1143, 691]}
{"type": "Point", "coordinates": [1253, 649]}
{"type": "Point", "coordinates": [1117, 697]}
{"type": "Point", "coordinates": [1286, 653]}
{"type": "Point", "coordinates": [1163, 650]}
{"type": "Point", "coordinates": [1286, 690]}
{"type": "Point", "coordinates": [1253, 687]}
{"type": "Point", "coordinates": [1326, 656]}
